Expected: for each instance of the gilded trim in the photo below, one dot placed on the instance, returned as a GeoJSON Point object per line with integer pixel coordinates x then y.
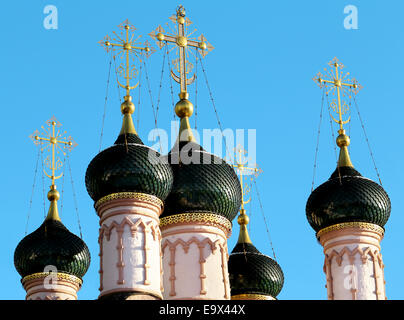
{"type": "Point", "coordinates": [199, 218]}
{"type": "Point", "coordinates": [345, 225]}
{"type": "Point", "coordinates": [129, 195]}
{"type": "Point", "coordinates": [252, 296]}
{"type": "Point", "coordinates": [59, 275]}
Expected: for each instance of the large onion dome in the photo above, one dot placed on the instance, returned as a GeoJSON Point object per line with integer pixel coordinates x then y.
{"type": "Point", "coordinates": [52, 244]}
{"type": "Point", "coordinates": [347, 197]}
{"type": "Point", "coordinates": [202, 181]}
{"type": "Point", "coordinates": [128, 165]}
{"type": "Point", "coordinates": [252, 274]}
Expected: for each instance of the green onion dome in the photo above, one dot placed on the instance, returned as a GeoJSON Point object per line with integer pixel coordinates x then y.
{"type": "Point", "coordinates": [128, 166]}
{"type": "Point", "coordinates": [250, 271]}
{"type": "Point", "coordinates": [52, 244]}
{"type": "Point", "coordinates": [202, 183]}
{"type": "Point", "coordinates": [347, 197]}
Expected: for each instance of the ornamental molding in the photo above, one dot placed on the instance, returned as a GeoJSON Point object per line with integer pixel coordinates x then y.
{"type": "Point", "coordinates": [252, 296]}
{"type": "Point", "coordinates": [357, 225]}
{"type": "Point", "coordinates": [129, 195]}
{"type": "Point", "coordinates": [58, 275]}
{"type": "Point", "coordinates": [202, 218]}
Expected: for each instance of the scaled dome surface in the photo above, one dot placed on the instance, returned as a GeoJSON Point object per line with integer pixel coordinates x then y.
{"type": "Point", "coordinates": [128, 166]}
{"type": "Point", "coordinates": [251, 272]}
{"type": "Point", "coordinates": [205, 184]}
{"type": "Point", "coordinates": [347, 197]}
{"type": "Point", "coordinates": [52, 244]}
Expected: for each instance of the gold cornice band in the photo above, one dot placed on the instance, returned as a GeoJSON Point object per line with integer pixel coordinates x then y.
{"type": "Point", "coordinates": [360, 225]}
{"type": "Point", "coordinates": [251, 296]}
{"type": "Point", "coordinates": [129, 195]}
{"type": "Point", "coordinates": [197, 217]}
{"type": "Point", "coordinates": [59, 275]}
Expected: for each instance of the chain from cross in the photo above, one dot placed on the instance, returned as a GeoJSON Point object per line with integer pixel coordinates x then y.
{"type": "Point", "coordinates": [243, 170]}
{"type": "Point", "coordinates": [338, 82]}
{"type": "Point", "coordinates": [125, 47]}
{"type": "Point", "coordinates": [57, 142]}
{"type": "Point", "coordinates": [182, 41]}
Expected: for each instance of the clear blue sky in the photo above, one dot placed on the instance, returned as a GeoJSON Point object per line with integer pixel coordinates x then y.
{"type": "Point", "coordinates": [266, 54]}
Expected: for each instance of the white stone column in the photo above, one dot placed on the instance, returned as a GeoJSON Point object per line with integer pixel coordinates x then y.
{"type": "Point", "coordinates": [353, 263]}
{"type": "Point", "coordinates": [195, 256]}
{"type": "Point", "coordinates": [130, 245]}
{"type": "Point", "coordinates": [51, 286]}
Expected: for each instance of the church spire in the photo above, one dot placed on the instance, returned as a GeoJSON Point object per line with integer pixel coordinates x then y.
{"type": "Point", "coordinates": [183, 41]}
{"type": "Point", "coordinates": [127, 48]}
{"type": "Point", "coordinates": [55, 143]}
{"type": "Point", "coordinates": [242, 169]}
{"type": "Point", "coordinates": [341, 88]}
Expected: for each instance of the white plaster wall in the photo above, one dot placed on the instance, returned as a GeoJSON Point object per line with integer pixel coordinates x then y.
{"type": "Point", "coordinates": [352, 273]}
{"type": "Point", "coordinates": [134, 257]}
{"type": "Point", "coordinates": [188, 267]}
{"type": "Point", "coordinates": [58, 292]}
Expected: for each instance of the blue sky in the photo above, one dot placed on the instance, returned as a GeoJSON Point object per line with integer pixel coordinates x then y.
{"type": "Point", "coordinates": [266, 54]}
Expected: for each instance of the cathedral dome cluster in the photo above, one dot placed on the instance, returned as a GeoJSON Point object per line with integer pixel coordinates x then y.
{"type": "Point", "coordinates": [347, 197]}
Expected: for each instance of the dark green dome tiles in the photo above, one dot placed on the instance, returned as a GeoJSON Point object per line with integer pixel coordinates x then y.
{"type": "Point", "coordinates": [52, 245]}
{"type": "Point", "coordinates": [128, 166]}
{"type": "Point", "coordinates": [352, 198]}
{"type": "Point", "coordinates": [251, 272]}
{"type": "Point", "coordinates": [207, 184]}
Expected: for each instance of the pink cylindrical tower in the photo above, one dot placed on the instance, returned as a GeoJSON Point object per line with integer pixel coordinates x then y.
{"type": "Point", "coordinates": [349, 212]}
{"type": "Point", "coordinates": [196, 223]}
{"type": "Point", "coordinates": [128, 183]}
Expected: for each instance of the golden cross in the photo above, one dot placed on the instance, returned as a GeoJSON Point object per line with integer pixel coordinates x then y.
{"type": "Point", "coordinates": [182, 42]}
{"type": "Point", "coordinates": [338, 83]}
{"type": "Point", "coordinates": [127, 48]}
{"type": "Point", "coordinates": [56, 142]}
{"type": "Point", "coordinates": [240, 161]}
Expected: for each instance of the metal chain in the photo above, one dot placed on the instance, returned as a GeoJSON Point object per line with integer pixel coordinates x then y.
{"type": "Point", "coordinates": [117, 83]}
{"type": "Point", "coordinates": [171, 80]}
{"type": "Point", "coordinates": [138, 104]}
{"type": "Point", "coordinates": [263, 215]}
{"type": "Point", "coordinates": [214, 106]}
{"type": "Point", "coordinates": [318, 140]}
{"type": "Point", "coordinates": [151, 99]}
{"type": "Point", "coordinates": [105, 103]}
{"type": "Point", "coordinates": [63, 187]}
{"type": "Point", "coordinates": [196, 89]}
{"type": "Point", "coordinates": [74, 195]}
{"type": "Point", "coordinates": [32, 192]}
{"type": "Point", "coordinates": [43, 183]}
{"type": "Point", "coordinates": [333, 139]}
{"type": "Point", "coordinates": [367, 141]}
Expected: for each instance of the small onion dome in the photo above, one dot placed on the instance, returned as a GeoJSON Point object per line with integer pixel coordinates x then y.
{"type": "Point", "coordinates": [347, 197]}
{"type": "Point", "coordinates": [52, 244]}
{"type": "Point", "coordinates": [202, 181]}
{"type": "Point", "coordinates": [128, 166]}
{"type": "Point", "coordinates": [250, 271]}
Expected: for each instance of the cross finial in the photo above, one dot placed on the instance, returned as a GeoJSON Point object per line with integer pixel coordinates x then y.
{"type": "Point", "coordinates": [243, 170]}
{"type": "Point", "coordinates": [182, 41]}
{"type": "Point", "coordinates": [340, 86]}
{"type": "Point", "coordinates": [127, 48]}
{"type": "Point", "coordinates": [54, 141]}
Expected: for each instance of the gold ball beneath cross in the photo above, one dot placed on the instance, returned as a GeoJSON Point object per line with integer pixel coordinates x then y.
{"type": "Point", "coordinates": [184, 108]}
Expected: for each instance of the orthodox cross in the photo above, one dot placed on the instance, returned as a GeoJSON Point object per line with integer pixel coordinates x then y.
{"type": "Point", "coordinates": [182, 41]}
{"type": "Point", "coordinates": [334, 80]}
{"type": "Point", "coordinates": [127, 48]}
{"type": "Point", "coordinates": [54, 141]}
{"type": "Point", "coordinates": [242, 170]}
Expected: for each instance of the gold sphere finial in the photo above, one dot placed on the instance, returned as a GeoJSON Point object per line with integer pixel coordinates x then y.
{"type": "Point", "coordinates": [160, 36]}
{"type": "Point", "coordinates": [53, 194]}
{"type": "Point", "coordinates": [184, 108]}
{"type": "Point", "coordinates": [343, 140]}
{"type": "Point", "coordinates": [127, 106]}
{"type": "Point", "coordinates": [202, 45]}
{"type": "Point", "coordinates": [243, 219]}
